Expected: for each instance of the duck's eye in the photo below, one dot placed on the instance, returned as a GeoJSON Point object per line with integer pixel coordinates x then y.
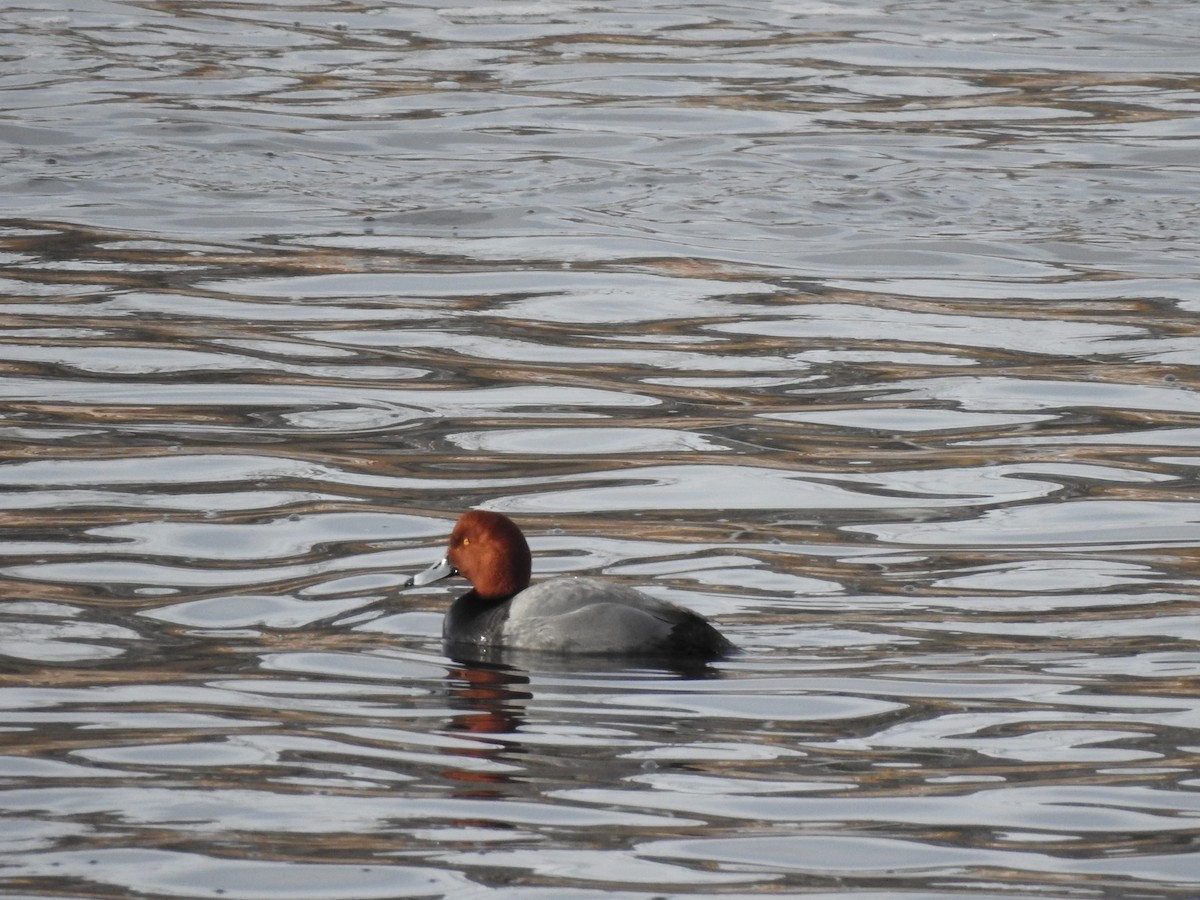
{"type": "Point", "coordinates": [465, 542]}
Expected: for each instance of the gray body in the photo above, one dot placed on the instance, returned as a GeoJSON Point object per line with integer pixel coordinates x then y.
{"type": "Point", "coordinates": [582, 616]}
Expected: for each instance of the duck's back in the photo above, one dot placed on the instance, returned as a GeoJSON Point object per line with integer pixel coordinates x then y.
{"type": "Point", "coordinates": [588, 615]}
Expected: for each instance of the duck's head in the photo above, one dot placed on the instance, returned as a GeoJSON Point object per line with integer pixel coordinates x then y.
{"type": "Point", "coordinates": [487, 549]}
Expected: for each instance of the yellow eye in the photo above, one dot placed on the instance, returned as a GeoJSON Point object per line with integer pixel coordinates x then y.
{"type": "Point", "coordinates": [466, 542]}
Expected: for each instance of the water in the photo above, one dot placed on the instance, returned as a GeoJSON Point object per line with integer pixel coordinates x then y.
{"type": "Point", "coordinates": [869, 331]}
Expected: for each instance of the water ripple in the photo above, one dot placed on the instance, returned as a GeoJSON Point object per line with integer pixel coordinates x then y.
{"type": "Point", "coordinates": [865, 330]}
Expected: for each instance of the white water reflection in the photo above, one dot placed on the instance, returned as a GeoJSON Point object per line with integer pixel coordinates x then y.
{"type": "Point", "coordinates": [1065, 525]}
{"type": "Point", "coordinates": [180, 874]}
{"type": "Point", "coordinates": [872, 323]}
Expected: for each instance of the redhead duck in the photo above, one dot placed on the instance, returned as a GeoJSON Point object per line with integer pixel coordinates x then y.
{"type": "Point", "coordinates": [563, 615]}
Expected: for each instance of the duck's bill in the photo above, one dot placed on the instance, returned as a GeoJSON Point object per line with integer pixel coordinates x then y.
{"type": "Point", "coordinates": [436, 572]}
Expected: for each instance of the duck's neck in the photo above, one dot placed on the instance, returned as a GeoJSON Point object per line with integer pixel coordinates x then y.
{"type": "Point", "coordinates": [473, 620]}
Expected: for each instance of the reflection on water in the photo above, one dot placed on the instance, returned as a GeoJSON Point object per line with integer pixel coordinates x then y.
{"type": "Point", "coordinates": [866, 331]}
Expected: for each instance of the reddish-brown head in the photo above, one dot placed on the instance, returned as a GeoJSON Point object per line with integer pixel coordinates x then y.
{"type": "Point", "coordinates": [489, 550]}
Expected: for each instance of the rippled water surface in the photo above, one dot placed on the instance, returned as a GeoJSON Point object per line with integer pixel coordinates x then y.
{"type": "Point", "coordinates": [869, 331]}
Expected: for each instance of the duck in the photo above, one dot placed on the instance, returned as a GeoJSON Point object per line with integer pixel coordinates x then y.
{"type": "Point", "coordinates": [564, 616]}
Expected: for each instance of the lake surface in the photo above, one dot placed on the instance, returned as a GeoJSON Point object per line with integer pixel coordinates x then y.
{"type": "Point", "coordinates": [869, 331]}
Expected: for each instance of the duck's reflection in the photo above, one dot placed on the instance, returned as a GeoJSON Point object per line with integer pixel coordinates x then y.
{"type": "Point", "coordinates": [490, 692]}
{"type": "Point", "coordinates": [525, 662]}
{"type": "Point", "coordinates": [489, 697]}
{"type": "Point", "coordinates": [491, 688]}
{"type": "Point", "coordinates": [485, 699]}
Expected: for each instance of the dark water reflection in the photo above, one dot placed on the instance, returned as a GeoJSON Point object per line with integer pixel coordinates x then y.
{"type": "Point", "coordinates": [867, 331]}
